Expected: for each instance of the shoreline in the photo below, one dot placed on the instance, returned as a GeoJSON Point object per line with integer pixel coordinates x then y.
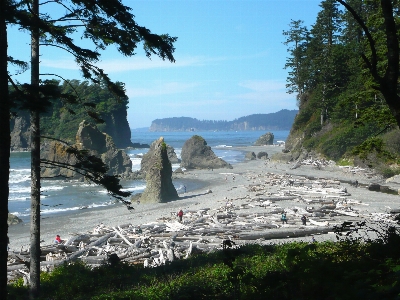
{"type": "Point", "coordinates": [223, 186]}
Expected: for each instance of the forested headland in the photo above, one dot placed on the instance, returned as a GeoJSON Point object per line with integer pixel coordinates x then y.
{"type": "Point", "coordinates": [61, 119]}
{"type": "Point", "coordinates": [281, 120]}
{"type": "Point", "coordinates": [341, 70]}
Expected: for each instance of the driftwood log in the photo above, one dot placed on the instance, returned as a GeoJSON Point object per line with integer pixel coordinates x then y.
{"type": "Point", "coordinates": [253, 218]}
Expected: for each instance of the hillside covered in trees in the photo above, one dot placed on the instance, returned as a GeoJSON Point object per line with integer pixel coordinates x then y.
{"type": "Point", "coordinates": [337, 69]}
{"type": "Point", "coordinates": [281, 120]}
{"type": "Point", "coordinates": [61, 120]}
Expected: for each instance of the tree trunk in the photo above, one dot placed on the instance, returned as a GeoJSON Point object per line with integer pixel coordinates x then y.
{"type": "Point", "coordinates": [4, 150]}
{"type": "Point", "coordinates": [388, 84]}
{"type": "Point", "coordinates": [35, 163]}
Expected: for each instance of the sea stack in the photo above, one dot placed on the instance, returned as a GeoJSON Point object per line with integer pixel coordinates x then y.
{"type": "Point", "coordinates": [265, 139]}
{"type": "Point", "coordinates": [156, 168]}
{"type": "Point", "coordinates": [90, 138]}
{"type": "Point", "coordinates": [197, 155]}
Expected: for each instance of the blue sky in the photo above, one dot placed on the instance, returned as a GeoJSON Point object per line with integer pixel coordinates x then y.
{"type": "Point", "coordinates": [229, 59]}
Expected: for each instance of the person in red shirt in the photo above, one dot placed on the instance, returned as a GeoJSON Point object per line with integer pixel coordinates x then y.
{"type": "Point", "coordinates": [180, 214]}
{"type": "Point", "coordinates": [57, 240]}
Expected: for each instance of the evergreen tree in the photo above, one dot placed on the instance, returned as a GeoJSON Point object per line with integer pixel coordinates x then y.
{"type": "Point", "coordinates": [297, 38]}
{"type": "Point", "coordinates": [104, 22]}
{"type": "Point", "coordinates": [4, 147]}
{"type": "Point", "coordinates": [382, 60]}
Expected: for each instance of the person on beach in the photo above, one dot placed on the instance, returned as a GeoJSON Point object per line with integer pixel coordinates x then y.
{"type": "Point", "coordinates": [283, 218]}
{"type": "Point", "coordinates": [57, 240]}
{"type": "Point", "coordinates": [180, 214]}
{"type": "Point", "coordinates": [304, 220]}
{"type": "Point", "coordinates": [184, 188]}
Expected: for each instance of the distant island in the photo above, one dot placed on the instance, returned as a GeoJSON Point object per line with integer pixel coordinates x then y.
{"type": "Point", "coordinates": [281, 120]}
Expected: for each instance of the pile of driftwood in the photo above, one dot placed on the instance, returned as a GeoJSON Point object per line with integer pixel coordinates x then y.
{"type": "Point", "coordinates": [255, 217]}
{"type": "Point", "coordinates": [322, 163]}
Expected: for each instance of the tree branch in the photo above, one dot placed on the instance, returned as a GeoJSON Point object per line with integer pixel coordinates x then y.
{"type": "Point", "coordinates": [374, 59]}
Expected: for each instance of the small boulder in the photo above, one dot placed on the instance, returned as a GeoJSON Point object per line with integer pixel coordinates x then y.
{"type": "Point", "coordinates": [262, 155]}
{"type": "Point", "coordinates": [250, 156]}
{"type": "Point", "coordinates": [374, 187]}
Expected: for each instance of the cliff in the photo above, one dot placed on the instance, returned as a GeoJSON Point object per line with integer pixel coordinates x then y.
{"type": "Point", "coordinates": [59, 123]}
{"type": "Point", "coordinates": [281, 120]}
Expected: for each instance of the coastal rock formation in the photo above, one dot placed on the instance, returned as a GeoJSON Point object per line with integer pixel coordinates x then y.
{"type": "Point", "coordinates": [265, 139]}
{"type": "Point", "coordinates": [20, 133]}
{"type": "Point", "coordinates": [250, 156]}
{"type": "Point", "coordinates": [197, 155]}
{"type": "Point", "coordinates": [172, 155]}
{"type": "Point", "coordinates": [157, 170]}
{"type": "Point", "coordinates": [116, 125]}
{"type": "Point", "coordinates": [13, 220]}
{"type": "Point", "coordinates": [98, 143]}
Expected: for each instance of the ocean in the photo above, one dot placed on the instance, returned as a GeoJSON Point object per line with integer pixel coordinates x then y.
{"type": "Point", "coordinates": [60, 196]}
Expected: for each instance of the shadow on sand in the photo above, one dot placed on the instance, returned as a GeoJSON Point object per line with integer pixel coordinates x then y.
{"type": "Point", "coordinates": [192, 196]}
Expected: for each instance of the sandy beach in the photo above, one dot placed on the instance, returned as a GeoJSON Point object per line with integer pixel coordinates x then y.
{"type": "Point", "coordinates": [225, 184]}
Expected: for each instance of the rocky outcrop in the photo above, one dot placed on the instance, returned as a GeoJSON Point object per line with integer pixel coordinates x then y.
{"type": "Point", "coordinates": [20, 133]}
{"type": "Point", "coordinates": [197, 155]}
{"type": "Point", "coordinates": [157, 170]}
{"type": "Point", "coordinates": [172, 155]}
{"type": "Point", "coordinates": [265, 139]}
{"type": "Point", "coordinates": [117, 126]}
{"type": "Point", "coordinates": [98, 143]}
{"type": "Point", "coordinates": [13, 220]}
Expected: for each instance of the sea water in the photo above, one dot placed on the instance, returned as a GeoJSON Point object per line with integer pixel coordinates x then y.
{"type": "Point", "coordinates": [63, 196]}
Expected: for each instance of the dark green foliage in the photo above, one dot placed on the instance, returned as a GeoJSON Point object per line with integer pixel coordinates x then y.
{"type": "Point", "coordinates": [349, 80]}
{"type": "Point", "coordinates": [70, 103]}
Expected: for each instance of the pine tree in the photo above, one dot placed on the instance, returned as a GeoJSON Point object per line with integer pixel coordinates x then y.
{"type": "Point", "coordinates": [104, 22]}
{"type": "Point", "coordinates": [297, 39]}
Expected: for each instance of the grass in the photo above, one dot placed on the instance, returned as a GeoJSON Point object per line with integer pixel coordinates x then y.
{"type": "Point", "coordinates": [349, 269]}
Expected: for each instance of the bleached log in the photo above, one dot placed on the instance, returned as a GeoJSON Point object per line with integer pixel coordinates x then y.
{"type": "Point", "coordinates": [280, 234]}
{"type": "Point", "coordinates": [100, 241]}
{"type": "Point", "coordinates": [316, 223]}
{"type": "Point", "coordinates": [346, 213]}
{"type": "Point", "coordinates": [122, 236]}
{"type": "Point", "coordinates": [137, 257]}
{"type": "Point", "coordinates": [77, 239]}
{"type": "Point", "coordinates": [16, 267]}
{"type": "Point", "coordinates": [95, 259]}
